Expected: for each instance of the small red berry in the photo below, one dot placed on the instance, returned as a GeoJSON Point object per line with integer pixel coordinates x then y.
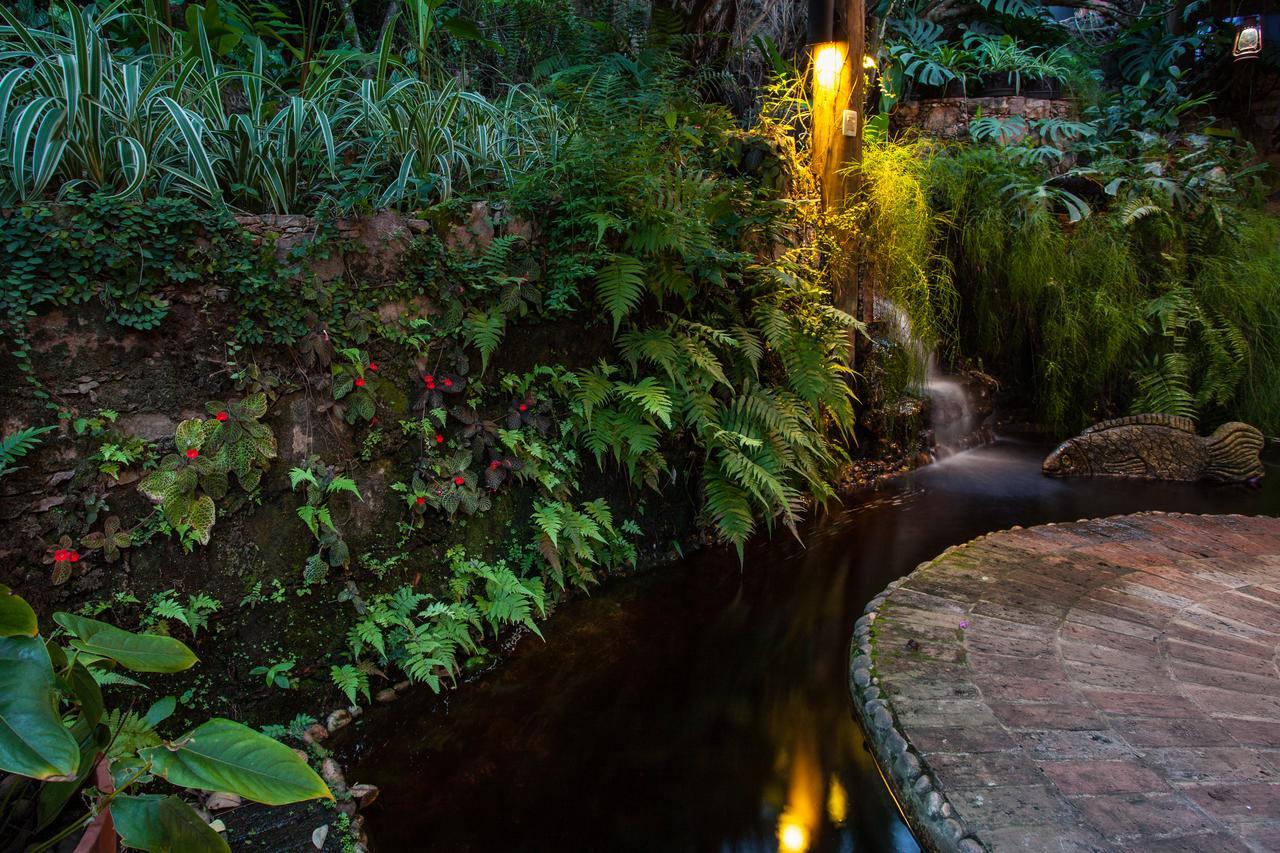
{"type": "Point", "coordinates": [458, 481]}
{"type": "Point", "coordinates": [373, 365]}
{"type": "Point", "coordinates": [222, 416]}
{"type": "Point", "coordinates": [421, 501]}
{"type": "Point", "coordinates": [359, 382]}
{"type": "Point", "coordinates": [192, 453]}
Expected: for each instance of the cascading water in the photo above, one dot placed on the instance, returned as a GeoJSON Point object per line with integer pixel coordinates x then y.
{"type": "Point", "coordinates": [954, 420]}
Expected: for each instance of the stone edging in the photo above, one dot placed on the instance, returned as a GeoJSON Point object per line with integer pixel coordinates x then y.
{"type": "Point", "coordinates": [935, 822]}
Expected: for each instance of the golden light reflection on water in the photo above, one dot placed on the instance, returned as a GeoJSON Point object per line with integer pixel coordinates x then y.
{"type": "Point", "coordinates": [837, 802]}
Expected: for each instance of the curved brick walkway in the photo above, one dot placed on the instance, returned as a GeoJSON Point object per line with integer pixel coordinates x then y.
{"type": "Point", "coordinates": [1104, 685]}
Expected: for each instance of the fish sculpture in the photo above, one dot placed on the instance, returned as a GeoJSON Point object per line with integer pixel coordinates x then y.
{"type": "Point", "coordinates": [1160, 447]}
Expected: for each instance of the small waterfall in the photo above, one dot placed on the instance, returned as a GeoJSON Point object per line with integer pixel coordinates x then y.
{"type": "Point", "coordinates": [954, 421]}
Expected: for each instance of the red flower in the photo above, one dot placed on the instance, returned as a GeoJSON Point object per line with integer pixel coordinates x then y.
{"type": "Point", "coordinates": [373, 365]}
{"type": "Point", "coordinates": [439, 439]}
{"type": "Point", "coordinates": [458, 481]}
{"type": "Point", "coordinates": [430, 379]}
{"type": "Point", "coordinates": [73, 556]}
{"type": "Point", "coordinates": [421, 501]}
{"type": "Point", "coordinates": [192, 453]}
{"type": "Point", "coordinates": [359, 382]}
{"type": "Point", "coordinates": [523, 407]}
{"type": "Point", "coordinates": [448, 383]}
{"type": "Point", "coordinates": [61, 555]}
{"type": "Point", "coordinates": [222, 416]}
{"type": "Point", "coordinates": [373, 421]}
{"type": "Point", "coordinates": [495, 464]}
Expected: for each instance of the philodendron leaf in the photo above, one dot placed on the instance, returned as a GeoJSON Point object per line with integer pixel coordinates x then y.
{"type": "Point", "coordinates": [33, 740]}
{"type": "Point", "coordinates": [17, 619]}
{"type": "Point", "coordinates": [221, 755]}
{"type": "Point", "coordinates": [138, 652]}
{"type": "Point", "coordinates": [164, 825]}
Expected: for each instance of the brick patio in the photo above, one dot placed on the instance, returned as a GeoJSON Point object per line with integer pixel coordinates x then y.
{"type": "Point", "coordinates": [1104, 685]}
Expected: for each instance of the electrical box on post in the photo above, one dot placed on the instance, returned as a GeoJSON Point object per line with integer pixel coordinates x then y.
{"type": "Point", "coordinates": [849, 126]}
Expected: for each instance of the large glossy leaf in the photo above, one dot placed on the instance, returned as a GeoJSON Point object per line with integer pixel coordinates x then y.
{"type": "Point", "coordinates": [17, 619]}
{"type": "Point", "coordinates": [138, 652]}
{"type": "Point", "coordinates": [221, 755]}
{"type": "Point", "coordinates": [33, 740]}
{"type": "Point", "coordinates": [164, 825]}
{"type": "Point", "coordinates": [88, 693]}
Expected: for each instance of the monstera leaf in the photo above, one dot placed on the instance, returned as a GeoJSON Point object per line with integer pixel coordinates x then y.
{"type": "Point", "coordinates": [221, 755]}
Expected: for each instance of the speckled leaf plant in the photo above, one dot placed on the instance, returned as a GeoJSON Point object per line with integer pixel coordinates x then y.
{"type": "Point", "coordinates": [238, 441]}
{"type": "Point", "coordinates": [445, 483]}
{"type": "Point", "coordinates": [110, 540]}
{"type": "Point", "coordinates": [188, 482]}
{"type": "Point", "coordinates": [353, 383]}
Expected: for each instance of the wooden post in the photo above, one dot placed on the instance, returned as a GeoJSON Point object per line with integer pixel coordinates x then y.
{"type": "Point", "coordinates": [856, 12]}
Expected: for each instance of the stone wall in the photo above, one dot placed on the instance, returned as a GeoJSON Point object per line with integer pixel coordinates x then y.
{"type": "Point", "coordinates": [949, 118]}
{"type": "Point", "coordinates": [371, 248]}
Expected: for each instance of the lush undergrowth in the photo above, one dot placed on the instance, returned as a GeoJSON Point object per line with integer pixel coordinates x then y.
{"type": "Point", "coordinates": [608, 294]}
{"type": "Point", "coordinates": [669, 245]}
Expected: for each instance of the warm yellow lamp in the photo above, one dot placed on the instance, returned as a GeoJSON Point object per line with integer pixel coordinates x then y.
{"type": "Point", "coordinates": [792, 837]}
{"type": "Point", "coordinates": [1248, 41]}
{"type": "Point", "coordinates": [828, 60]}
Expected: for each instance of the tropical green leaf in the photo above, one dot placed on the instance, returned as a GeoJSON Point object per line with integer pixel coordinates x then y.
{"type": "Point", "coordinates": [138, 652]}
{"type": "Point", "coordinates": [33, 740]}
{"type": "Point", "coordinates": [164, 825]}
{"type": "Point", "coordinates": [222, 755]}
{"type": "Point", "coordinates": [16, 616]}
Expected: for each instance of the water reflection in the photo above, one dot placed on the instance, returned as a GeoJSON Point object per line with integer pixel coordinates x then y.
{"type": "Point", "coordinates": [704, 707]}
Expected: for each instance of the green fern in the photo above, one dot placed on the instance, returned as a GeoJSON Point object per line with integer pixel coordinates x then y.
{"type": "Point", "coordinates": [17, 445]}
{"type": "Point", "coordinates": [619, 286]}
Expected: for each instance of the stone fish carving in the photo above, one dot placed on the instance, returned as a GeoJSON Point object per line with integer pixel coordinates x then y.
{"type": "Point", "coordinates": [1160, 447]}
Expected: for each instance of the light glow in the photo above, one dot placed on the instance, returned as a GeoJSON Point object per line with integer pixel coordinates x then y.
{"type": "Point", "coordinates": [868, 61]}
{"type": "Point", "coordinates": [792, 837]}
{"type": "Point", "coordinates": [828, 59]}
{"type": "Point", "coordinates": [1248, 43]}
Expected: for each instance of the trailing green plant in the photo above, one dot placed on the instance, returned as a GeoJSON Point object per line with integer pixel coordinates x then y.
{"type": "Point", "coordinates": [61, 740]}
{"type": "Point", "coordinates": [322, 483]}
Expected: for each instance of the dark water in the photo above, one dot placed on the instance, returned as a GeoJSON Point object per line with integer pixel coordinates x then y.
{"type": "Point", "coordinates": [703, 706]}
